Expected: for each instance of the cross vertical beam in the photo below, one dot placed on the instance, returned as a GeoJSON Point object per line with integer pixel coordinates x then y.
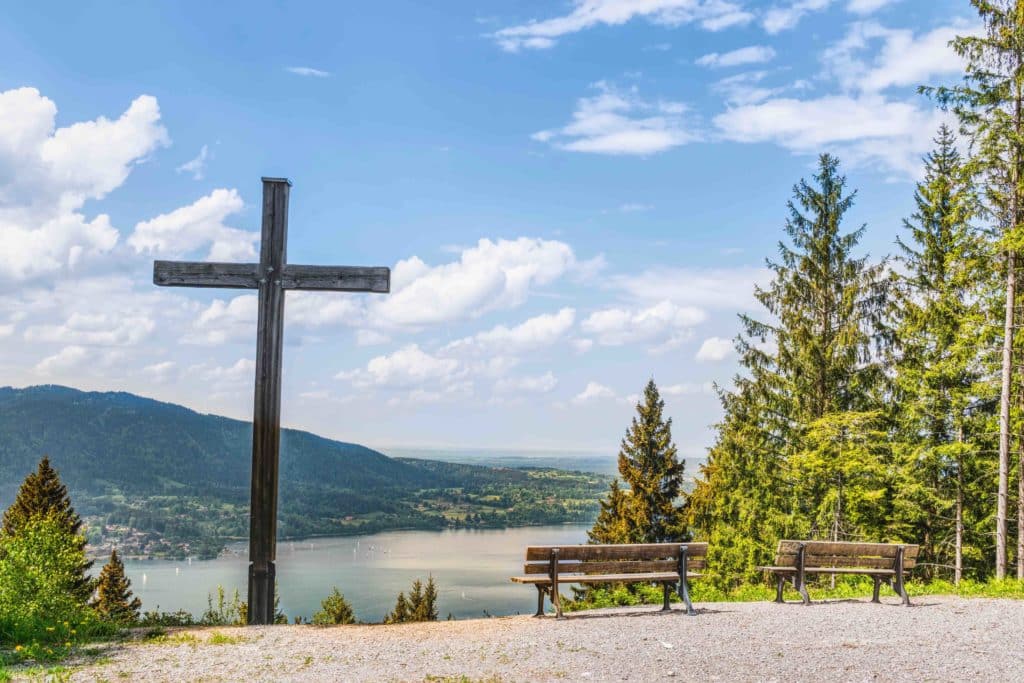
{"type": "Point", "coordinates": [272, 276]}
{"type": "Point", "coordinates": [266, 422]}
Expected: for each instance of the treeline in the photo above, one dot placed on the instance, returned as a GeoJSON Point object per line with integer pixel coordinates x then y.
{"type": "Point", "coordinates": [878, 400]}
{"type": "Point", "coordinates": [884, 400]}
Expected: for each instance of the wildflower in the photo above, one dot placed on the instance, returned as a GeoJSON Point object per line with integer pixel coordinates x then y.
{"type": "Point", "coordinates": [19, 648]}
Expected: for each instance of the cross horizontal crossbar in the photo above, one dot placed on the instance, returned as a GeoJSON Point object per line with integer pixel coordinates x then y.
{"type": "Point", "coordinates": [247, 276]}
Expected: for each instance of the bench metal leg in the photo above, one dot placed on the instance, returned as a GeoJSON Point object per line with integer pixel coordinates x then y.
{"type": "Point", "coordinates": [802, 588]}
{"type": "Point", "coordinates": [540, 601]}
{"type": "Point", "coordinates": [780, 582]}
{"type": "Point", "coordinates": [901, 590]}
{"type": "Point", "coordinates": [684, 593]}
{"type": "Point", "coordinates": [878, 585]}
{"type": "Point", "coordinates": [665, 587]}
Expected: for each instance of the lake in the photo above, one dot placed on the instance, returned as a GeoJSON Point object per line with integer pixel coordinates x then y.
{"type": "Point", "coordinates": [470, 567]}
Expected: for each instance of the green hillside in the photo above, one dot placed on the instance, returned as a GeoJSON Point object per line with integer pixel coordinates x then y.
{"type": "Point", "coordinates": [162, 480]}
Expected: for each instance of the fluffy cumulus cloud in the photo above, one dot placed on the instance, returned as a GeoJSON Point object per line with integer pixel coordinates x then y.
{"type": "Point", "coordinates": [667, 324]}
{"type": "Point", "coordinates": [492, 275]}
{"type": "Point", "coordinates": [594, 391]}
{"type": "Point", "coordinates": [714, 349]}
{"type": "Point", "coordinates": [68, 358]}
{"type": "Point", "coordinates": [47, 174]}
{"type": "Point", "coordinates": [409, 367]}
{"type": "Point", "coordinates": [619, 122]}
{"type": "Point", "coordinates": [198, 225]}
{"type": "Point", "coordinates": [713, 15]}
{"type": "Point", "coordinates": [864, 121]}
{"type": "Point", "coordinates": [867, 6]}
{"type": "Point", "coordinates": [753, 54]}
{"type": "Point", "coordinates": [537, 332]}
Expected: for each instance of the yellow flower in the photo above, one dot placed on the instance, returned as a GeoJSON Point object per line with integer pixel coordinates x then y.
{"type": "Point", "coordinates": [67, 644]}
{"type": "Point", "coordinates": [19, 648]}
{"type": "Point", "coordinates": [50, 628]}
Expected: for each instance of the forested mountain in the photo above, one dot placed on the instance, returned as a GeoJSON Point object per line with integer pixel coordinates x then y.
{"type": "Point", "coordinates": [164, 475]}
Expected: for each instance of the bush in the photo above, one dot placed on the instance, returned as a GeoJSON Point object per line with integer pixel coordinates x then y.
{"type": "Point", "coordinates": [41, 612]}
{"type": "Point", "coordinates": [334, 610]}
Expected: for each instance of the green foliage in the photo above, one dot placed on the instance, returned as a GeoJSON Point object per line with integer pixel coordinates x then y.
{"type": "Point", "coordinates": [41, 613]}
{"type": "Point", "coordinates": [810, 385]}
{"type": "Point", "coordinates": [334, 609]}
{"type": "Point", "coordinates": [421, 605]}
{"type": "Point", "coordinates": [43, 495]}
{"type": "Point", "coordinates": [121, 457]}
{"type": "Point", "coordinates": [114, 600]}
{"type": "Point", "coordinates": [649, 464]}
{"type": "Point", "coordinates": [222, 611]}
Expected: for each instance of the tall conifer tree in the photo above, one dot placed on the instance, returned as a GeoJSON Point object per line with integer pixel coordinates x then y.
{"type": "Point", "coordinates": [939, 360]}
{"type": "Point", "coordinates": [990, 106]}
{"type": "Point", "coordinates": [114, 600]}
{"type": "Point", "coordinates": [44, 495]}
{"type": "Point", "coordinates": [649, 465]}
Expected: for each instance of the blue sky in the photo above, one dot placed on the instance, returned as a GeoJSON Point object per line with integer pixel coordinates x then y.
{"type": "Point", "coordinates": [573, 196]}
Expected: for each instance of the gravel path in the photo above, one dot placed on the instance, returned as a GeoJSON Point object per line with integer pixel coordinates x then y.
{"type": "Point", "coordinates": [940, 638]}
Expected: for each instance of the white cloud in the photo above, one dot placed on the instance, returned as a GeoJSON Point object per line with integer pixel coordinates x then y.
{"type": "Point", "coordinates": [867, 6]}
{"type": "Point", "coordinates": [592, 392]}
{"type": "Point", "coordinates": [492, 275]}
{"type": "Point", "coordinates": [745, 88]}
{"type": "Point", "coordinates": [781, 18]}
{"type": "Point", "coordinates": [222, 321]}
{"type": "Point", "coordinates": [68, 358]}
{"type": "Point", "coordinates": [196, 166]}
{"type": "Point", "coordinates": [409, 366]}
{"type": "Point", "coordinates": [688, 389]}
{"type": "Point", "coordinates": [729, 289]}
{"type": "Point", "coordinates": [753, 54]}
{"type": "Point", "coordinates": [664, 322]}
{"type": "Point", "coordinates": [904, 59]}
{"type": "Point", "coordinates": [713, 14]}
{"type": "Point", "coordinates": [160, 372]}
{"type": "Point", "coordinates": [582, 345]}
{"type": "Point", "coordinates": [191, 227]}
{"type": "Point", "coordinates": [94, 329]}
{"type": "Point", "coordinates": [537, 332]}
{"type": "Point", "coordinates": [863, 130]}
{"type": "Point", "coordinates": [243, 369]}
{"type": "Point", "coordinates": [308, 71]}
{"type": "Point", "coordinates": [47, 174]}
{"type": "Point", "coordinates": [371, 338]}
{"type": "Point", "coordinates": [620, 122]}
{"type": "Point", "coordinates": [540, 384]}
{"type": "Point", "coordinates": [714, 349]}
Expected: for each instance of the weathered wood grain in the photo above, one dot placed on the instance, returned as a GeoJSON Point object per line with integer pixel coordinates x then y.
{"type": "Point", "coordinates": [206, 274]}
{"type": "Point", "coordinates": [645, 551]}
{"type": "Point", "coordinates": [337, 278]}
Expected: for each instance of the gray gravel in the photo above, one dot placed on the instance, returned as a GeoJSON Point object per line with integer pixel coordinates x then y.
{"type": "Point", "coordinates": [940, 638]}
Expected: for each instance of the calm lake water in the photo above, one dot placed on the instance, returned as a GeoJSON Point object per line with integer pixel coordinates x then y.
{"type": "Point", "coordinates": [471, 569]}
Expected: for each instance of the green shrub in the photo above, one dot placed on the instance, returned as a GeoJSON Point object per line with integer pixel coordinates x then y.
{"type": "Point", "coordinates": [334, 610]}
{"type": "Point", "coordinates": [41, 612]}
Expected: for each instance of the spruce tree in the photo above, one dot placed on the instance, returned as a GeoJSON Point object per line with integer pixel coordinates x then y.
{"type": "Point", "coordinates": [114, 600]}
{"type": "Point", "coordinates": [813, 358]}
{"type": "Point", "coordinates": [942, 338]}
{"type": "Point", "coordinates": [334, 610]}
{"type": "Point", "coordinates": [611, 524]}
{"type": "Point", "coordinates": [44, 495]}
{"type": "Point", "coordinates": [427, 608]}
{"type": "Point", "coordinates": [990, 106]}
{"type": "Point", "coordinates": [649, 465]}
{"type": "Point", "coordinates": [400, 614]}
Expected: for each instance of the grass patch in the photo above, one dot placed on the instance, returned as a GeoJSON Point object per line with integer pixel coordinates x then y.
{"type": "Point", "coordinates": [218, 638]}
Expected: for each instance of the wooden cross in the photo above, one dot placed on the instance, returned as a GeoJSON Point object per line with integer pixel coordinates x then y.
{"type": "Point", "coordinates": [271, 276]}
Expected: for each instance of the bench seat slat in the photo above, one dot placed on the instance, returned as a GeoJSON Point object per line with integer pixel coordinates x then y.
{"type": "Point", "coordinates": [644, 551]}
{"type": "Point", "coordinates": [656, 577]}
{"type": "Point", "coordinates": [829, 570]}
{"type": "Point", "coordinates": [620, 567]}
{"type": "Point", "coordinates": [787, 560]}
{"type": "Point", "coordinates": [846, 548]}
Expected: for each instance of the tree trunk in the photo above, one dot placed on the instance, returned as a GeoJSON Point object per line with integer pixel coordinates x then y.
{"type": "Point", "coordinates": [1004, 415]}
{"type": "Point", "coordinates": [958, 558]}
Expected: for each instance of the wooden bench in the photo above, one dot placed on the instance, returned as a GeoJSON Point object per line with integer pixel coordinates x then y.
{"type": "Point", "coordinates": [669, 564]}
{"type": "Point", "coordinates": [883, 562]}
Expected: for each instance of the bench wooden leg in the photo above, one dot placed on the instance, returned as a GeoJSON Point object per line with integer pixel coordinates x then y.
{"type": "Point", "coordinates": [780, 582]}
{"type": "Point", "coordinates": [878, 585]}
{"type": "Point", "coordinates": [665, 588]}
{"type": "Point", "coordinates": [540, 601]}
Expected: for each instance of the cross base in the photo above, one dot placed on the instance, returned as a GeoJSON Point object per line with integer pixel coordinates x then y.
{"type": "Point", "coordinates": [261, 594]}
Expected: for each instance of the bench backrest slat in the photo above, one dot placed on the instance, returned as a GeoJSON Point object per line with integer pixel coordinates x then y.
{"type": "Point", "coordinates": [845, 554]}
{"type": "Point", "coordinates": [615, 559]}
